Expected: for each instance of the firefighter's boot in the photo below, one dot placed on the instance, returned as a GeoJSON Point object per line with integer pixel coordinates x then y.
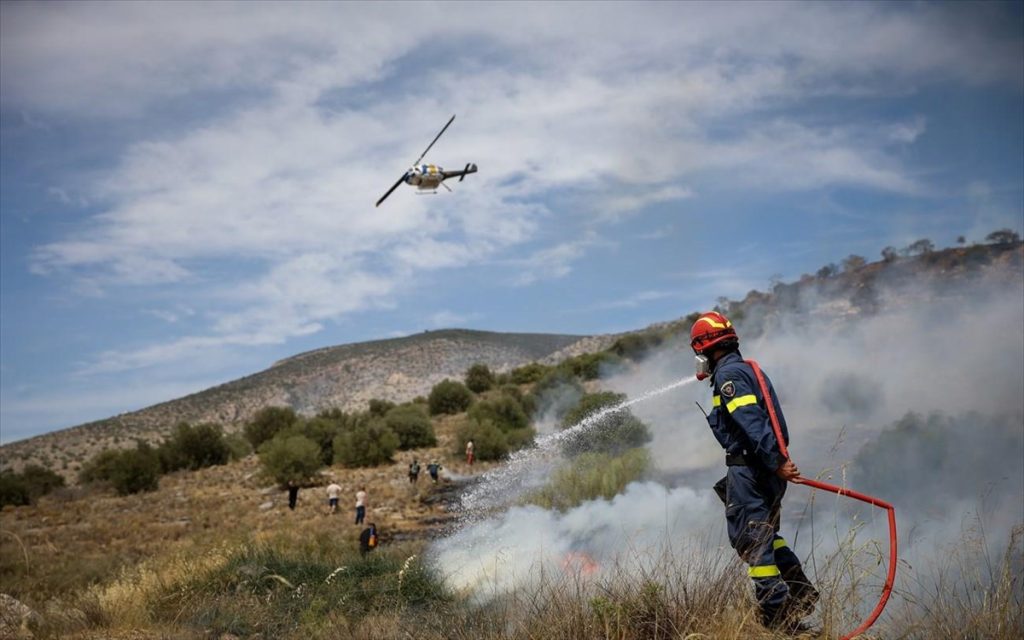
{"type": "Point", "coordinates": [802, 594]}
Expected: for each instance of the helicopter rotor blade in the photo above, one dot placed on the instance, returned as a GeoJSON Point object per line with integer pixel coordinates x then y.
{"type": "Point", "coordinates": [393, 187]}
{"type": "Point", "coordinates": [433, 141]}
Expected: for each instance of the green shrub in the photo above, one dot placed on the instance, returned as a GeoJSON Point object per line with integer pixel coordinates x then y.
{"type": "Point", "coordinates": [529, 373]}
{"type": "Point", "coordinates": [412, 425]}
{"type": "Point", "coordinates": [40, 481]}
{"type": "Point", "coordinates": [449, 396]}
{"type": "Point", "coordinates": [194, 447]}
{"type": "Point", "coordinates": [614, 433]}
{"type": "Point", "coordinates": [237, 445]}
{"type": "Point", "coordinates": [267, 423]}
{"type": "Point", "coordinates": [290, 458]}
{"type": "Point", "coordinates": [504, 411]}
{"type": "Point", "coordinates": [135, 470]}
{"type": "Point", "coordinates": [13, 489]}
{"type": "Point", "coordinates": [366, 444]}
{"type": "Point", "coordinates": [380, 408]}
{"type": "Point", "coordinates": [489, 443]}
{"type": "Point", "coordinates": [520, 438]}
{"type": "Point", "coordinates": [590, 476]}
{"type": "Point", "coordinates": [100, 467]}
{"type": "Point", "coordinates": [588, 365]}
{"type": "Point", "coordinates": [479, 378]}
{"type": "Point", "coordinates": [322, 431]}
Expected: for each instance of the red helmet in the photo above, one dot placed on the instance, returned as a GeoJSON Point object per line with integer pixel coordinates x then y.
{"type": "Point", "coordinates": [710, 329]}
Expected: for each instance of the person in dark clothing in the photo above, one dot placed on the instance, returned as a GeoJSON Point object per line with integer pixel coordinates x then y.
{"type": "Point", "coordinates": [368, 539]}
{"type": "Point", "coordinates": [414, 471]}
{"type": "Point", "coordinates": [433, 468]}
{"type": "Point", "coordinates": [757, 473]}
{"type": "Point", "coordinates": [293, 494]}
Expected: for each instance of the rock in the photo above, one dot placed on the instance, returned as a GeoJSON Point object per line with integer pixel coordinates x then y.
{"type": "Point", "coordinates": [16, 619]}
{"type": "Point", "coordinates": [269, 504]}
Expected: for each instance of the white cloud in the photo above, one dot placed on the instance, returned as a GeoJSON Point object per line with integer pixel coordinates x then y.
{"type": "Point", "coordinates": [317, 107]}
{"type": "Point", "coordinates": [554, 262]}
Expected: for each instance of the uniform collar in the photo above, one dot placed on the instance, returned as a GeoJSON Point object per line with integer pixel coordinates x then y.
{"type": "Point", "coordinates": [732, 356]}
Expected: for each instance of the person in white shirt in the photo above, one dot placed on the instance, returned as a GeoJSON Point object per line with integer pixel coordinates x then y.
{"type": "Point", "coordinates": [333, 493]}
{"type": "Point", "coordinates": [360, 505]}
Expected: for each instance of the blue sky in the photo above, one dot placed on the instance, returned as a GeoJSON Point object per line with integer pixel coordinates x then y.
{"type": "Point", "coordinates": [187, 189]}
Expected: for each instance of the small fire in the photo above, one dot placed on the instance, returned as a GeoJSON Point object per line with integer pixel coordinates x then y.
{"type": "Point", "coordinates": [579, 563]}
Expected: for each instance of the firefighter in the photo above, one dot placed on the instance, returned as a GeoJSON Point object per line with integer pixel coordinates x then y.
{"type": "Point", "coordinates": [757, 474]}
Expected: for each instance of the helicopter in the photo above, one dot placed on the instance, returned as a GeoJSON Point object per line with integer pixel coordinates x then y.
{"type": "Point", "coordinates": [429, 176]}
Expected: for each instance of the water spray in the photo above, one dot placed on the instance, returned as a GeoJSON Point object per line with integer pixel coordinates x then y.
{"type": "Point", "coordinates": [840, 491]}
{"type": "Point", "coordinates": [496, 483]}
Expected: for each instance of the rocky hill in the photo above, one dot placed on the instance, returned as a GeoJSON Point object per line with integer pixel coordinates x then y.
{"type": "Point", "coordinates": [345, 376]}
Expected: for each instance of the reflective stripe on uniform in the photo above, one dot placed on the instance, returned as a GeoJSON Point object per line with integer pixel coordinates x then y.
{"type": "Point", "coordinates": [779, 543]}
{"type": "Point", "coordinates": [764, 571]}
{"type": "Point", "coordinates": [716, 401]}
{"type": "Point", "coordinates": [741, 401]}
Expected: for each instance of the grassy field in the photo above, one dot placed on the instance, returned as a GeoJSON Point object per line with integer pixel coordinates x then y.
{"type": "Point", "coordinates": [217, 554]}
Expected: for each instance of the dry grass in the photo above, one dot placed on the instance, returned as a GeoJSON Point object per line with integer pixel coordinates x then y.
{"type": "Point", "coordinates": [199, 558]}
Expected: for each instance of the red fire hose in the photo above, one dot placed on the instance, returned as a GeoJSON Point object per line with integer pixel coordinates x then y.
{"type": "Point", "coordinates": [817, 484]}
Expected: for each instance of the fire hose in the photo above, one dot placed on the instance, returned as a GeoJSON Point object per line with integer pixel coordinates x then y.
{"type": "Point", "coordinates": [848, 493]}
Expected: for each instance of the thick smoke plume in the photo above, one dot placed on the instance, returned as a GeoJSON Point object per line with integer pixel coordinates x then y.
{"type": "Point", "coordinates": [920, 403]}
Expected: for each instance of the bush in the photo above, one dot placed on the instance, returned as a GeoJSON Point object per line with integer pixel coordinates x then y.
{"type": "Point", "coordinates": [479, 378]}
{"type": "Point", "coordinates": [489, 443]}
{"type": "Point", "coordinates": [1003, 236]}
{"type": "Point", "coordinates": [13, 490]}
{"type": "Point", "coordinates": [504, 411]}
{"type": "Point", "coordinates": [366, 444]}
{"type": "Point", "coordinates": [588, 365]}
{"type": "Point", "coordinates": [449, 396]}
{"type": "Point", "coordinates": [128, 471]}
{"type": "Point", "coordinates": [100, 467]}
{"type": "Point", "coordinates": [290, 458]}
{"type": "Point", "coordinates": [380, 408]}
{"type": "Point", "coordinates": [267, 423]}
{"type": "Point", "coordinates": [520, 438]}
{"type": "Point", "coordinates": [529, 373]}
{"type": "Point", "coordinates": [614, 433]}
{"type": "Point", "coordinates": [322, 431]}
{"type": "Point", "coordinates": [557, 392]}
{"type": "Point", "coordinates": [591, 476]}
{"type": "Point", "coordinates": [194, 448]}
{"type": "Point", "coordinates": [40, 481]}
{"type": "Point", "coordinates": [412, 425]}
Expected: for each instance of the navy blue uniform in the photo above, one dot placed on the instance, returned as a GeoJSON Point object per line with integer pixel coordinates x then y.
{"type": "Point", "coordinates": [752, 491]}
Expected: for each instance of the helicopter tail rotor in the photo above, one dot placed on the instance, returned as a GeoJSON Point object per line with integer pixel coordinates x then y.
{"type": "Point", "coordinates": [470, 168]}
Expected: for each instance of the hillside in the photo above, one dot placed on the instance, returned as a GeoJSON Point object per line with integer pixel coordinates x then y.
{"type": "Point", "coordinates": [345, 376]}
{"type": "Point", "coordinates": [348, 376]}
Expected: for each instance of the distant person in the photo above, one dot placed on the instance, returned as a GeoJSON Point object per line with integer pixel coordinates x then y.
{"type": "Point", "coordinates": [469, 453]}
{"type": "Point", "coordinates": [360, 505]}
{"type": "Point", "coordinates": [333, 493]}
{"type": "Point", "coordinates": [368, 539]}
{"type": "Point", "coordinates": [293, 494]}
{"type": "Point", "coordinates": [414, 471]}
{"type": "Point", "coordinates": [433, 468]}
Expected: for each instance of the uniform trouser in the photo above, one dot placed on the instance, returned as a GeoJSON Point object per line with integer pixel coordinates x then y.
{"type": "Point", "coordinates": [753, 499]}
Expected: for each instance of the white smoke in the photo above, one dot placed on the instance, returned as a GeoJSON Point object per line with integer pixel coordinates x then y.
{"type": "Point", "coordinates": [527, 544]}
